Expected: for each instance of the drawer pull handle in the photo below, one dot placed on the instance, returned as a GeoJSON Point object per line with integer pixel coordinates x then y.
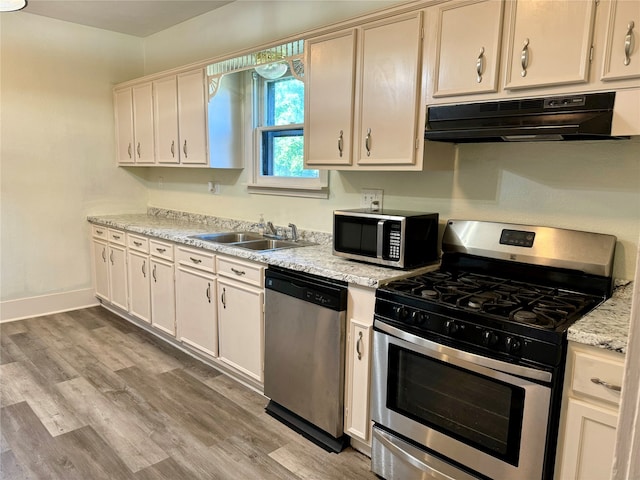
{"type": "Point", "coordinates": [144, 269]}
{"type": "Point", "coordinates": [195, 260]}
{"type": "Point", "coordinates": [367, 142]}
{"type": "Point", "coordinates": [480, 65]}
{"type": "Point", "coordinates": [209, 292]}
{"type": "Point", "coordinates": [340, 142]}
{"type": "Point", "coordinates": [153, 273]}
{"type": "Point", "coordinates": [137, 244]}
{"type": "Point", "coordinates": [359, 346]}
{"type": "Point", "coordinates": [138, 150]}
{"type": "Point", "coordinates": [524, 58]}
{"type": "Point", "coordinates": [104, 255]}
{"type": "Point", "coordinates": [223, 298]}
{"type": "Point", "coordinates": [161, 250]}
{"type": "Point", "coordinates": [238, 272]}
{"type": "Point", "coordinates": [129, 150]}
{"type": "Point", "coordinates": [628, 39]}
{"type": "Point", "coordinates": [608, 385]}
{"type": "Point", "coordinates": [173, 148]}
{"type": "Point", "coordinates": [100, 232]}
{"type": "Point", "coordinates": [117, 237]}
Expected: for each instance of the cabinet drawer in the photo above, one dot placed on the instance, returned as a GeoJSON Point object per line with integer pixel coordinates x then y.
{"type": "Point", "coordinates": [589, 370]}
{"type": "Point", "coordinates": [138, 243]}
{"type": "Point", "coordinates": [116, 236]}
{"type": "Point", "coordinates": [252, 273]}
{"type": "Point", "coordinates": [161, 249]}
{"type": "Point", "coordinates": [200, 259]}
{"type": "Point", "coordinates": [98, 231]}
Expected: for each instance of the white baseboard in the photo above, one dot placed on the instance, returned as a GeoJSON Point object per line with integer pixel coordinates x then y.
{"type": "Point", "coordinates": [11, 310]}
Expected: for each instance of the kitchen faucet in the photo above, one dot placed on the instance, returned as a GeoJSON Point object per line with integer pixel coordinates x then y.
{"type": "Point", "coordinates": [294, 232]}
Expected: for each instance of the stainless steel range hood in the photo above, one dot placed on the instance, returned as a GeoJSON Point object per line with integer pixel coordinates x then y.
{"type": "Point", "coordinates": [571, 117]}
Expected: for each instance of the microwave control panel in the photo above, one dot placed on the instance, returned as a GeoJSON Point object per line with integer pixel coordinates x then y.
{"type": "Point", "coordinates": [394, 236]}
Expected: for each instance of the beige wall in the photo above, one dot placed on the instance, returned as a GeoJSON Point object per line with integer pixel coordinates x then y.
{"type": "Point", "coordinates": [57, 148]}
{"type": "Point", "coordinates": [57, 151]}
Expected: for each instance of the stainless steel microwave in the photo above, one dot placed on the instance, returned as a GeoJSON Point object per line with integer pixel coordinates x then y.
{"type": "Point", "coordinates": [392, 238]}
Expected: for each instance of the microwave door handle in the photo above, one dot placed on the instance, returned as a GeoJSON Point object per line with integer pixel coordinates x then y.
{"type": "Point", "coordinates": [380, 238]}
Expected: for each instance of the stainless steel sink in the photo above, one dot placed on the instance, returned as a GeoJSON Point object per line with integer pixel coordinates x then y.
{"type": "Point", "coordinates": [250, 241]}
{"type": "Point", "coordinates": [228, 237]}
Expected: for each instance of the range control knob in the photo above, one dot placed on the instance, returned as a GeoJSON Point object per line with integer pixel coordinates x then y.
{"type": "Point", "coordinates": [489, 338]}
{"type": "Point", "coordinates": [451, 327]}
{"type": "Point", "coordinates": [400, 312]}
{"type": "Point", "coordinates": [418, 318]}
{"type": "Point", "coordinates": [512, 344]}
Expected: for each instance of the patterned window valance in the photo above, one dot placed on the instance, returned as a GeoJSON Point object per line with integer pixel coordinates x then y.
{"type": "Point", "coordinates": [290, 53]}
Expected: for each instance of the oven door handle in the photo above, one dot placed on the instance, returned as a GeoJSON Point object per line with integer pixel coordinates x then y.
{"type": "Point", "coordinates": [445, 351]}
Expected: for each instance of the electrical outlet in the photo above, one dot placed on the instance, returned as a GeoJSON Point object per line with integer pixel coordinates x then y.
{"type": "Point", "coordinates": [213, 187]}
{"type": "Point", "coordinates": [371, 199]}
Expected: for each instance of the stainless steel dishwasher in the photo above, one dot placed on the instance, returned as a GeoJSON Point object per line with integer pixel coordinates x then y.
{"type": "Point", "coordinates": [304, 355]}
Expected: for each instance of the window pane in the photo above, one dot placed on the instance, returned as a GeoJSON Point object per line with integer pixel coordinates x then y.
{"type": "Point", "coordinates": [283, 154]}
{"type": "Point", "coordinates": [286, 102]}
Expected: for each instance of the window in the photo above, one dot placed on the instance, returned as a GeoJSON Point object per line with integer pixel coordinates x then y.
{"type": "Point", "coordinates": [279, 139]}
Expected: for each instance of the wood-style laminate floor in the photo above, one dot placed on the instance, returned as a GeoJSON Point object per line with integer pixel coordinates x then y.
{"type": "Point", "coordinates": [86, 395]}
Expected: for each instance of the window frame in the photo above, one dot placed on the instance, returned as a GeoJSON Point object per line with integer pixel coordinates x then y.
{"type": "Point", "coordinates": [270, 184]}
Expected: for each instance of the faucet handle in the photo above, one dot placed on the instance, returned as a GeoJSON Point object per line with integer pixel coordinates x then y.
{"type": "Point", "coordinates": [294, 232]}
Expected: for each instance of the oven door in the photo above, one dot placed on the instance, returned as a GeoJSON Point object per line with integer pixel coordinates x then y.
{"type": "Point", "coordinates": [487, 415]}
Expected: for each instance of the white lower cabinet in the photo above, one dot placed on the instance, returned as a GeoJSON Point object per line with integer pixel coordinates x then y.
{"type": "Point", "coordinates": [101, 268]}
{"type": "Point", "coordinates": [590, 413]}
{"type": "Point", "coordinates": [241, 315]}
{"type": "Point", "coordinates": [196, 300]}
{"type": "Point", "coordinates": [118, 294]}
{"type": "Point", "coordinates": [360, 309]}
{"type": "Point", "coordinates": [139, 286]}
{"type": "Point", "coordinates": [163, 287]}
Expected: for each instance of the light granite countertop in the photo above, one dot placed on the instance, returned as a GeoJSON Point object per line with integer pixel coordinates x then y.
{"type": "Point", "coordinates": [316, 259]}
{"type": "Point", "coordinates": [605, 327]}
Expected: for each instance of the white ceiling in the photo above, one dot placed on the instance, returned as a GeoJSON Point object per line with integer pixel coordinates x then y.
{"type": "Point", "coordinates": [133, 17]}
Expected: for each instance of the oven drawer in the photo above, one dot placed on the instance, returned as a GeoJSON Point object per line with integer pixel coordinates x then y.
{"type": "Point", "coordinates": [597, 374]}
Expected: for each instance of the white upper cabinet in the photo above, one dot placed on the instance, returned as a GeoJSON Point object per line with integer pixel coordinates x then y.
{"type": "Point", "coordinates": [549, 43]}
{"type": "Point", "coordinates": [329, 92]}
{"type": "Point", "coordinates": [165, 113]}
{"type": "Point", "coordinates": [124, 126]}
{"type": "Point", "coordinates": [363, 96]}
{"type": "Point", "coordinates": [144, 151]}
{"type": "Point", "coordinates": [192, 118]}
{"type": "Point", "coordinates": [388, 92]}
{"type": "Point", "coordinates": [467, 47]}
{"type": "Point", "coordinates": [622, 42]}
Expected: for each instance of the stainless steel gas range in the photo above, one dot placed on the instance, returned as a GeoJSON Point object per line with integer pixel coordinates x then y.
{"type": "Point", "coordinates": [468, 360]}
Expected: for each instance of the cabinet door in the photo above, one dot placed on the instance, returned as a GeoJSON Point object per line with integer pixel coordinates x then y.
{"type": "Point", "coordinates": [468, 47]}
{"type": "Point", "coordinates": [118, 276]}
{"type": "Point", "coordinates": [241, 326]}
{"type": "Point", "coordinates": [359, 360]}
{"type": "Point", "coordinates": [124, 126]}
{"type": "Point", "coordinates": [192, 121]}
{"type": "Point", "coordinates": [139, 286]}
{"type": "Point", "coordinates": [549, 42]}
{"type": "Point", "coordinates": [101, 269]}
{"type": "Point", "coordinates": [329, 93]}
{"type": "Point", "coordinates": [163, 307]}
{"type": "Point", "coordinates": [143, 124]}
{"type": "Point", "coordinates": [622, 51]}
{"type": "Point", "coordinates": [588, 451]}
{"type": "Point", "coordinates": [165, 116]}
{"type": "Point", "coordinates": [389, 91]}
{"type": "Point", "coordinates": [196, 310]}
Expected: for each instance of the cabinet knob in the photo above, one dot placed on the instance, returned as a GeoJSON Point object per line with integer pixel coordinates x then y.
{"type": "Point", "coordinates": [628, 42]}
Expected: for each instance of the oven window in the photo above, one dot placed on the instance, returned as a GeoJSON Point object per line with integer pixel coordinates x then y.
{"type": "Point", "coordinates": [477, 410]}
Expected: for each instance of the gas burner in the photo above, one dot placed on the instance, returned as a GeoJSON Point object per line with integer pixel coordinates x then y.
{"type": "Point", "coordinates": [428, 293]}
{"type": "Point", "coordinates": [525, 316]}
{"type": "Point", "coordinates": [479, 300]}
